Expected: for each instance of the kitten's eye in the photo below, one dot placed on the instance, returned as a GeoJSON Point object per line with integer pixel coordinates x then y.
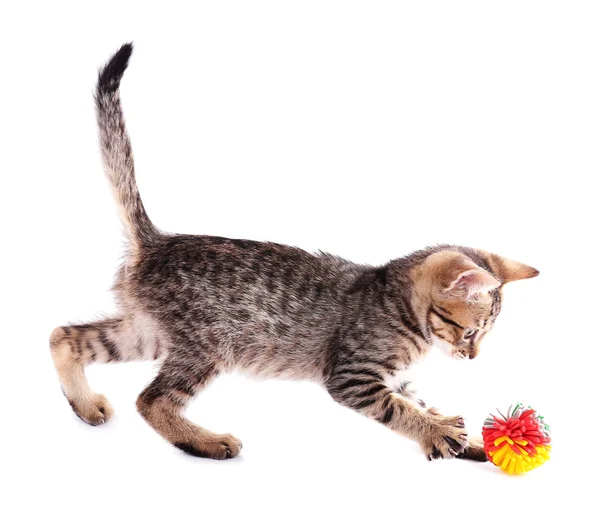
{"type": "Point", "coordinates": [468, 333]}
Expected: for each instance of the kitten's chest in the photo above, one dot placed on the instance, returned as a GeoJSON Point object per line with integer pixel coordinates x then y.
{"type": "Point", "coordinates": [407, 355]}
{"type": "Point", "coordinates": [405, 367]}
{"type": "Point", "coordinates": [399, 377]}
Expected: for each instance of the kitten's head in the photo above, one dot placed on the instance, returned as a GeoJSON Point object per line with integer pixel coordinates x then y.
{"type": "Point", "coordinates": [464, 295]}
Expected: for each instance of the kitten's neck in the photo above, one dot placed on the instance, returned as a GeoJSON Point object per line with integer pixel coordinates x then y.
{"type": "Point", "coordinates": [383, 307]}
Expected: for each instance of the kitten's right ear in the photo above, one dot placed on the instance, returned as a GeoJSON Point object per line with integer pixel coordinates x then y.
{"type": "Point", "coordinates": [508, 270]}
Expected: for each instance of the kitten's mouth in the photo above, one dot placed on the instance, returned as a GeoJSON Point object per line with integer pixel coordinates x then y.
{"type": "Point", "coordinates": [473, 352]}
{"type": "Point", "coordinates": [465, 354]}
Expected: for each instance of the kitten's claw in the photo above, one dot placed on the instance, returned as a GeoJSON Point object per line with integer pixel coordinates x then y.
{"type": "Point", "coordinates": [444, 438]}
{"type": "Point", "coordinates": [455, 447]}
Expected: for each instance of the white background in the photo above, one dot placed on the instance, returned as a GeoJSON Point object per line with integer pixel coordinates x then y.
{"type": "Point", "coordinates": [366, 129]}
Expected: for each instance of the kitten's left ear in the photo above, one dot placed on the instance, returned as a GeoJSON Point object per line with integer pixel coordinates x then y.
{"type": "Point", "coordinates": [509, 270]}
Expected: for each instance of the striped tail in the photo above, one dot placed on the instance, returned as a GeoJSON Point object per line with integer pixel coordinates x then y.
{"type": "Point", "coordinates": [117, 155]}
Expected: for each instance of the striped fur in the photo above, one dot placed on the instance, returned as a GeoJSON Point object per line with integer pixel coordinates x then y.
{"type": "Point", "coordinates": [117, 155]}
{"type": "Point", "coordinates": [209, 305]}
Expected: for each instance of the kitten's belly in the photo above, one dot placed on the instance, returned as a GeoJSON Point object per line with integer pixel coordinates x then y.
{"type": "Point", "coordinates": [261, 353]}
{"type": "Point", "coordinates": [282, 370]}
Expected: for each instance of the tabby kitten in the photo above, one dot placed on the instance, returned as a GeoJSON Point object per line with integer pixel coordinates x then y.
{"type": "Point", "coordinates": [208, 305]}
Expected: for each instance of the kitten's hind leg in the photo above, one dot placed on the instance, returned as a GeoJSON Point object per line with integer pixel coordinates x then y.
{"type": "Point", "coordinates": [76, 346]}
{"type": "Point", "coordinates": [163, 401]}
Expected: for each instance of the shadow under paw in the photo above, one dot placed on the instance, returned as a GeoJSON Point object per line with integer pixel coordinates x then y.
{"type": "Point", "coordinates": [223, 447]}
{"type": "Point", "coordinates": [474, 453]}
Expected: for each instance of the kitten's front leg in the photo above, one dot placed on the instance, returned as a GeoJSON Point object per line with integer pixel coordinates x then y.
{"type": "Point", "coordinates": [474, 450]}
{"type": "Point", "coordinates": [404, 389]}
{"type": "Point", "coordinates": [365, 391]}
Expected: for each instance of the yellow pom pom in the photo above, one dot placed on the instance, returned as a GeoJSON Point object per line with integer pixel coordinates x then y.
{"type": "Point", "coordinates": [517, 443]}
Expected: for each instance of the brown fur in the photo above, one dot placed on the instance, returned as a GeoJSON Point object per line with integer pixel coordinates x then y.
{"type": "Point", "coordinates": [208, 305]}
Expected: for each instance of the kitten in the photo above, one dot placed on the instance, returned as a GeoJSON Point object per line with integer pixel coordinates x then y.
{"type": "Point", "coordinates": [208, 305]}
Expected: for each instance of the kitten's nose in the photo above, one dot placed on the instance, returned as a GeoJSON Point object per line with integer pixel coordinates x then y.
{"type": "Point", "coordinates": [473, 350]}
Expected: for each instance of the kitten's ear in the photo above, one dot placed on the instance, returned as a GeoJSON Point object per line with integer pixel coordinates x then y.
{"type": "Point", "coordinates": [470, 280]}
{"type": "Point", "coordinates": [509, 270]}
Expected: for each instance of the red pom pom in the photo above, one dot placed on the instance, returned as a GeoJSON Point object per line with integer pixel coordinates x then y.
{"type": "Point", "coordinates": [518, 442]}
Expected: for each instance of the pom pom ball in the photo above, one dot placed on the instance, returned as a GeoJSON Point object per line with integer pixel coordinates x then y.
{"type": "Point", "coordinates": [518, 442]}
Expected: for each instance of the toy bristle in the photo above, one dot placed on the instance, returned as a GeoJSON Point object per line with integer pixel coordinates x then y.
{"type": "Point", "coordinates": [518, 442]}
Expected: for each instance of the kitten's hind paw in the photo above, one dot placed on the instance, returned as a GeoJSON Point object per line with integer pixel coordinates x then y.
{"type": "Point", "coordinates": [94, 411]}
{"type": "Point", "coordinates": [217, 447]}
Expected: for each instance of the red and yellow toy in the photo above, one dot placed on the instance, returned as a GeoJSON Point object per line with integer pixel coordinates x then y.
{"type": "Point", "coordinates": [517, 443]}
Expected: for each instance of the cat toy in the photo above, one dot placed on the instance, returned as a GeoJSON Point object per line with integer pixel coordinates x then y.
{"type": "Point", "coordinates": [517, 443]}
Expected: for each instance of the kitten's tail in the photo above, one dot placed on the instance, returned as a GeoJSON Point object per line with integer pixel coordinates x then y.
{"type": "Point", "coordinates": [116, 151]}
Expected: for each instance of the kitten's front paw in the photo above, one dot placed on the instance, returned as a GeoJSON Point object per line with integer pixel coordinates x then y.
{"type": "Point", "coordinates": [444, 437]}
{"type": "Point", "coordinates": [474, 450]}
